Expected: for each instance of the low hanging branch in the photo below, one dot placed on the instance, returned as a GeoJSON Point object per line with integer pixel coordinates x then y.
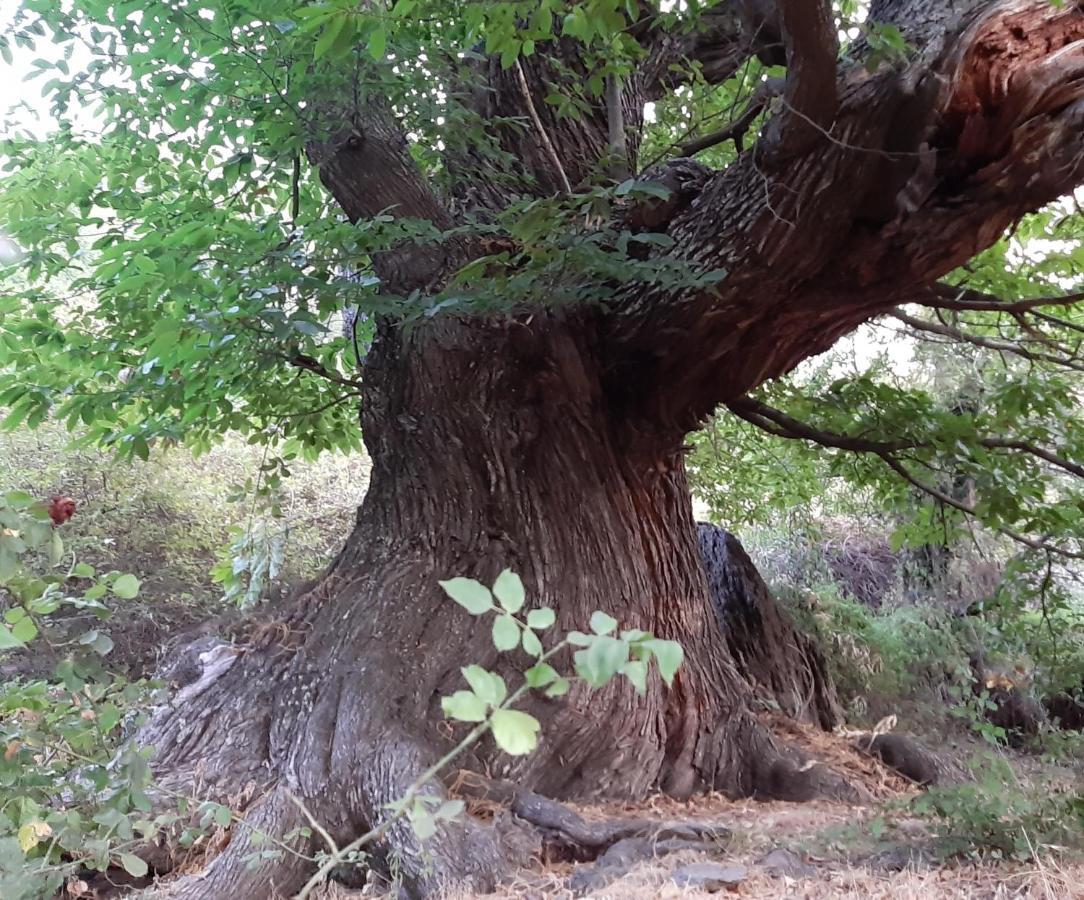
{"type": "Point", "coordinates": [778, 423]}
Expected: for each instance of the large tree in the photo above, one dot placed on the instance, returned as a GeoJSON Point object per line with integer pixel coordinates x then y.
{"type": "Point", "coordinates": [533, 346]}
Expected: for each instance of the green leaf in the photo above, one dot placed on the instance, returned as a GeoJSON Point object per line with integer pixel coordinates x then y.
{"type": "Point", "coordinates": [668, 656]}
{"type": "Point", "coordinates": [98, 642]}
{"type": "Point", "coordinates": [491, 688]}
{"type": "Point", "coordinates": [133, 865]}
{"type": "Point", "coordinates": [83, 570]}
{"type": "Point", "coordinates": [56, 548]}
{"type": "Point", "coordinates": [602, 660]}
{"type": "Point", "coordinates": [126, 587]}
{"type": "Point", "coordinates": [635, 670]}
{"type": "Point", "coordinates": [559, 688]}
{"type": "Point", "coordinates": [32, 833]}
{"type": "Point", "coordinates": [508, 589]}
{"type": "Point", "coordinates": [531, 643]}
{"type": "Point", "coordinates": [540, 619]}
{"type": "Point", "coordinates": [24, 630]}
{"type": "Point", "coordinates": [95, 591]}
{"type": "Point", "coordinates": [423, 823]}
{"type": "Point", "coordinates": [473, 596]}
{"type": "Point", "coordinates": [8, 641]}
{"type": "Point", "coordinates": [515, 732]}
{"type": "Point", "coordinates": [466, 706]}
{"type": "Point", "coordinates": [378, 43]}
{"type": "Point", "coordinates": [18, 499]}
{"type": "Point", "coordinates": [505, 633]}
{"type": "Point", "coordinates": [449, 809]}
{"type": "Point", "coordinates": [602, 623]}
{"type": "Point", "coordinates": [328, 35]}
{"type": "Point", "coordinates": [108, 717]}
{"type": "Point", "coordinates": [540, 674]}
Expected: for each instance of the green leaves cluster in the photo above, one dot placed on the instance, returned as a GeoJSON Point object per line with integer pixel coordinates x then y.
{"type": "Point", "coordinates": [59, 737]}
{"type": "Point", "coordinates": [31, 550]}
{"type": "Point", "coordinates": [602, 656]}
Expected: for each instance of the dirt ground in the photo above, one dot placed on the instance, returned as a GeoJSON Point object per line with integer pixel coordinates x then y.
{"type": "Point", "coordinates": [842, 849]}
{"type": "Point", "coordinates": [805, 851]}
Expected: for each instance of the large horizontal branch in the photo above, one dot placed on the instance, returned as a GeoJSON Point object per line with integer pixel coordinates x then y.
{"type": "Point", "coordinates": [909, 183]}
{"type": "Point", "coordinates": [779, 424]}
{"type": "Point", "coordinates": [993, 344]}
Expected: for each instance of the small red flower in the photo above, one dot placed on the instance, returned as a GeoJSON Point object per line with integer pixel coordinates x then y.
{"type": "Point", "coordinates": [61, 509]}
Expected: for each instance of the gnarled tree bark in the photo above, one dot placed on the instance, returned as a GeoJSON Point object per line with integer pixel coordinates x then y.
{"type": "Point", "coordinates": [550, 441]}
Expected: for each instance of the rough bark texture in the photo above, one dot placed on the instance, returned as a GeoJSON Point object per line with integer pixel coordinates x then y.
{"type": "Point", "coordinates": [785, 667]}
{"type": "Point", "coordinates": [551, 442]}
{"type": "Point", "coordinates": [338, 702]}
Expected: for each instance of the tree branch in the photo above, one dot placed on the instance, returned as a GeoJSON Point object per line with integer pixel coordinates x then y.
{"type": "Point", "coordinates": [543, 136]}
{"type": "Point", "coordinates": [998, 346]}
{"type": "Point", "coordinates": [303, 361]}
{"type": "Point", "coordinates": [716, 44]}
{"type": "Point", "coordinates": [1034, 543]}
{"type": "Point", "coordinates": [779, 424]}
{"type": "Point", "coordinates": [800, 254]}
{"type": "Point", "coordinates": [735, 130]}
{"type": "Point", "coordinates": [811, 101]}
{"type": "Point", "coordinates": [944, 296]}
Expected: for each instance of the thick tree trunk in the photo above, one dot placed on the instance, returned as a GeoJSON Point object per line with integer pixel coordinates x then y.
{"type": "Point", "coordinates": [493, 445]}
{"type": "Point", "coordinates": [551, 443]}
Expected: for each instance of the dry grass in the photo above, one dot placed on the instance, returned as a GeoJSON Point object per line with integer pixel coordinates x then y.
{"type": "Point", "coordinates": [836, 839]}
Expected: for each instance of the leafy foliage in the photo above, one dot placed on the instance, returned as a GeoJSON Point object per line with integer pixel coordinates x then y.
{"type": "Point", "coordinates": [601, 656]}
{"type": "Point", "coordinates": [997, 816]}
{"type": "Point", "coordinates": [61, 736]}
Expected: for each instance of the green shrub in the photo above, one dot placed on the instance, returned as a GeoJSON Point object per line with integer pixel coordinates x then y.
{"type": "Point", "coordinates": [67, 797]}
{"type": "Point", "coordinates": [998, 815]}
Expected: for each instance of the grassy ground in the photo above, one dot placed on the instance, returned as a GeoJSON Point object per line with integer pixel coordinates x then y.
{"type": "Point", "coordinates": [168, 520]}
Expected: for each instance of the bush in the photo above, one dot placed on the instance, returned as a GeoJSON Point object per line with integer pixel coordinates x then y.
{"type": "Point", "coordinates": [998, 815]}
{"type": "Point", "coordinates": [67, 799]}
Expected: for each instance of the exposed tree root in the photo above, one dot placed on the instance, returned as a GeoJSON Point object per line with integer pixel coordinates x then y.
{"type": "Point", "coordinates": [906, 756]}
{"type": "Point", "coordinates": [566, 831]}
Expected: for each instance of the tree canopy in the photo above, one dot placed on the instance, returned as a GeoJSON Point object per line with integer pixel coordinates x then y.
{"type": "Point", "coordinates": [186, 273]}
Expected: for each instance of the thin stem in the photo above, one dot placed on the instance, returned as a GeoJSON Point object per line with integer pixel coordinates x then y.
{"type": "Point", "coordinates": [551, 151]}
{"type": "Point", "coordinates": [374, 834]}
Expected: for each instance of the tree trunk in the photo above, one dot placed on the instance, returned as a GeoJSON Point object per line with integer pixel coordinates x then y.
{"type": "Point", "coordinates": [551, 442]}
{"type": "Point", "coordinates": [786, 668]}
{"type": "Point", "coordinates": [493, 446]}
